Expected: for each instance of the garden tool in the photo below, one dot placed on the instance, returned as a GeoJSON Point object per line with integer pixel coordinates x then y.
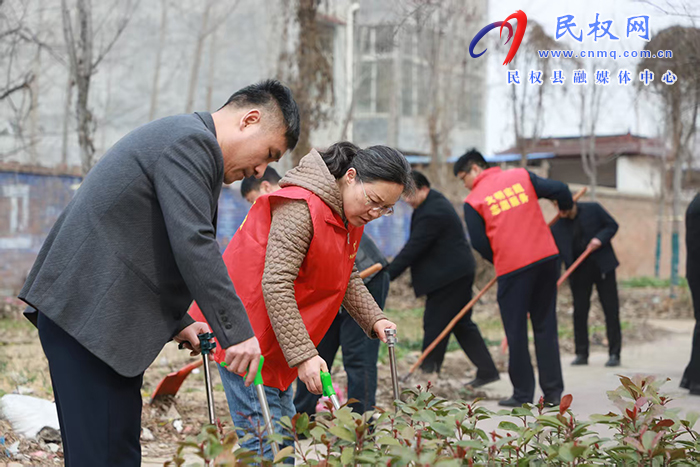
{"type": "Point", "coordinates": [391, 343]}
{"type": "Point", "coordinates": [328, 390]}
{"type": "Point", "coordinates": [468, 307]}
{"type": "Point", "coordinates": [575, 264]}
{"type": "Point", "coordinates": [264, 406]}
{"type": "Point", "coordinates": [208, 346]}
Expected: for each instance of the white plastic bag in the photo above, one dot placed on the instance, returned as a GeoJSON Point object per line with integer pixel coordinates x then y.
{"type": "Point", "coordinates": [27, 414]}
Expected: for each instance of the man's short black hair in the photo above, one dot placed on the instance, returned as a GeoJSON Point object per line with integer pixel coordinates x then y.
{"type": "Point", "coordinates": [420, 180]}
{"type": "Point", "coordinates": [251, 183]}
{"type": "Point", "coordinates": [262, 94]}
{"type": "Point", "coordinates": [468, 160]}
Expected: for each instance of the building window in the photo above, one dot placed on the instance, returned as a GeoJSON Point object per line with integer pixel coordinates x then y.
{"type": "Point", "coordinates": [415, 74]}
{"type": "Point", "coordinates": [376, 70]}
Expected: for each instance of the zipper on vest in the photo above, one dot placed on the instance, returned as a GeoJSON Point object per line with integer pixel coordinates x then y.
{"type": "Point", "coordinates": [348, 238]}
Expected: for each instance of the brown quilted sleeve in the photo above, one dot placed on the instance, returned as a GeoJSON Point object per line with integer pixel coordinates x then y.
{"type": "Point", "coordinates": [361, 305]}
{"type": "Point", "coordinates": [290, 235]}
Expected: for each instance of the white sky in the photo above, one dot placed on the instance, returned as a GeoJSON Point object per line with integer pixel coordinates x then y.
{"type": "Point", "coordinates": [620, 111]}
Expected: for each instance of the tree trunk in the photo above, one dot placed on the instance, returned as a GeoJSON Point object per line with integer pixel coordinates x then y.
{"type": "Point", "coordinates": [66, 120]}
{"type": "Point", "coordinates": [80, 57]}
{"type": "Point", "coordinates": [677, 179]}
{"type": "Point", "coordinates": [660, 219]}
{"type": "Point", "coordinates": [34, 106]}
{"type": "Point", "coordinates": [159, 59]}
{"type": "Point", "coordinates": [212, 70]}
{"type": "Point", "coordinates": [197, 58]}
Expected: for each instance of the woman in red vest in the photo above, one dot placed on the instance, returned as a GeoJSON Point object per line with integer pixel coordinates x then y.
{"type": "Point", "coordinates": [292, 264]}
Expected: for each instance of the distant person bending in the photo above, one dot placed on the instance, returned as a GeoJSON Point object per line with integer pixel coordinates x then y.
{"type": "Point", "coordinates": [506, 227]}
{"type": "Point", "coordinates": [589, 225]}
{"type": "Point", "coordinates": [252, 188]}
{"type": "Point", "coordinates": [442, 267]}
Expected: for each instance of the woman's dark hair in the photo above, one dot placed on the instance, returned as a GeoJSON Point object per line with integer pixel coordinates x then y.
{"type": "Point", "coordinates": [375, 163]}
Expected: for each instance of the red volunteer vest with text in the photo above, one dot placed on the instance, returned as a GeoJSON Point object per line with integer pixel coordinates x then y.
{"type": "Point", "coordinates": [319, 288]}
{"type": "Point", "coordinates": [515, 226]}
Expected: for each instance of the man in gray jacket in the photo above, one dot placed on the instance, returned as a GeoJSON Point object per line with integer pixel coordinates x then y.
{"type": "Point", "coordinates": [119, 269]}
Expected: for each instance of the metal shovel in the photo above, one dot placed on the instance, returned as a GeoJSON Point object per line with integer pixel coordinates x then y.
{"type": "Point", "coordinates": [264, 407]}
{"type": "Point", "coordinates": [391, 343]}
{"type": "Point", "coordinates": [206, 348]}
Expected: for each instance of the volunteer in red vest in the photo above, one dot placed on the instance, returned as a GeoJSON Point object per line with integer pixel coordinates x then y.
{"type": "Point", "coordinates": [507, 228]}
{"type": "Point", "coordinates": [292, 263]}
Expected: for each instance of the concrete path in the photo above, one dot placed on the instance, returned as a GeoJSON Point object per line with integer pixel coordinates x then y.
{"type": "Point", "coordinates": [666, 357]}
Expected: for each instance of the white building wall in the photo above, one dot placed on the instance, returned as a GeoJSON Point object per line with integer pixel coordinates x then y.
{"type": "Point", "coordinates": [638, 175]}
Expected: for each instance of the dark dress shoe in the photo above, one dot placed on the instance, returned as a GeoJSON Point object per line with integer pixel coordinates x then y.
{"type": "Point", "coordinates": [614, 360]}
{"type": "Point", "coordinates": [580, 360]}
{"type": "Point", "coordinates": [552, 402]}
{"type": "Point", "coordinates": [478, 382]}
{"type": "Point", "coordinates": [685, 383]}
{"type": "Point", "coordinates": [694, 389]}
{"type": "Point", "coordinates": [511, 402]}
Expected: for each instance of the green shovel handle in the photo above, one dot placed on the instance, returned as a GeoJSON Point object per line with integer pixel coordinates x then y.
{"type": "Point", "coordinates": [258, 381]}
{"type": "Point", "coordinates": [327, 384]}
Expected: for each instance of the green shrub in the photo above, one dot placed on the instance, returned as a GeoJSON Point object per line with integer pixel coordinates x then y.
{"type": "Point", "coordinates": [429, 431]}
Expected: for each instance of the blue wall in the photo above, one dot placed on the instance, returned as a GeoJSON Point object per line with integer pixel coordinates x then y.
{"type": "Point", "coordinates": [31, 203]}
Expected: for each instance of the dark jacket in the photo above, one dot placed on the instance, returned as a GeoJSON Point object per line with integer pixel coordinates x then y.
{"type": "Point", "coordinates": [437, 250]}
{"type": "Point", "coordinates": [368, 254]}
{"type": "Point", "coordinates": [594, 221]}
{"type": "Point", "coordinates": [137, 244]}
{"type": "Point", "coordinates": [692, 237]}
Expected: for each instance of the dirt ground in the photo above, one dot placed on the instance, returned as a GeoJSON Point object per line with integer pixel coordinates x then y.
{"type": "Point", "coordinates": [23, 367]}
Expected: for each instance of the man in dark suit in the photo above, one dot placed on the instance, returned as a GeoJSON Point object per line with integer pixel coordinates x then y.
{"type": "Point", "coordinates": [119, 269]}
{"type": "Point", "coordinates": [691, 376]}
{"type": "Point", "coordinates": [589, 225]}
{"type": "Point", "coordinates": [442, 267]}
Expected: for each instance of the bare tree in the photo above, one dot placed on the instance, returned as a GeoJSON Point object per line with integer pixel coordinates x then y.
{"type": "Point", "coordinates": [212, 69]}
{"type": "Point", "coordinates": [84, 58]}
{"type": "Point", "coordinates": [591, 99]}
{"type": "Point", "coordinates": [444, 73]}
{"type": "Point", "coordinates": [207, 28]}
{"type": "Point", "coordinates": [307, 69]}
{"type": "Point", "coordinates": [197, 55]}
{"type": "Point", "coordinates": [159, 59]}
{"type": "Point", "coordinates": [528, 99]}
{"type": "Point", "coordinates": [681, 101]}
{"type": "Point", "coordinates": [14, 33]}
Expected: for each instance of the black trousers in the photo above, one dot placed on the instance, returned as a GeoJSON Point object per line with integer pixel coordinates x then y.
{"type": "Point", "coordinates": [691, 376]}
{"type": "Point", "coordinates": [359, 355]}
{"type": "Point", "coordinates": [581, 282]}
{"type": "Point", "coordinates": [440, 307]}
{"type": "Point", "coordinates": [99, 410]}
{"type": "Point", "coordinates": [532, 290]}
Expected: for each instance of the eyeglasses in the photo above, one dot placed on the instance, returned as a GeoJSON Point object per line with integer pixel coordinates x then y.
{"type": "Point", "coordinates": [376, 208]}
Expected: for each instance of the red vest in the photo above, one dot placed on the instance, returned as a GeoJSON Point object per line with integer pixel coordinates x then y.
{"type": "Point", "coordinates": [515, 226]}
{"type": "Point", "coordinates": [319, 288]}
